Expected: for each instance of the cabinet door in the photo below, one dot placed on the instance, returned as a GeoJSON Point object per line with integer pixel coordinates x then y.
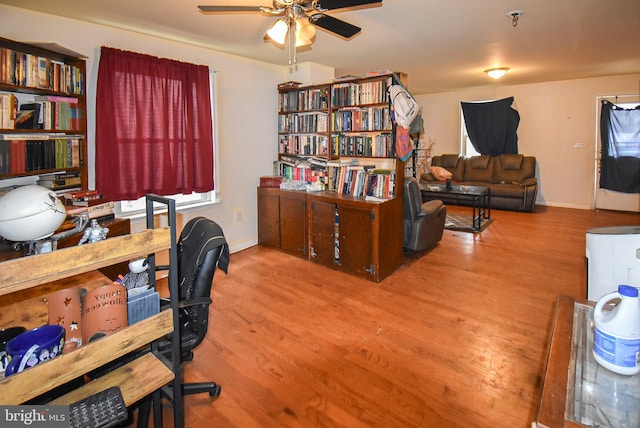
{"type": "Point", "coordinates": [356, 240]}
{"type": "Point", "coordinates": [269, 217]}
{"type": "Point", "coordinates": [292, 223]}
{"type": "Point", "coordinates": [323, 233]}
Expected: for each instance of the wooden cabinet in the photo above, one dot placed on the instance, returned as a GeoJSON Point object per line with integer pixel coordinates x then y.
{"type": "Point", "coordinates": [27, 278]}
{"type": "Point", "coordinates": [281, 220]}
{"type": "Point", "coordinates": [351, 235]}
{"type": "Point", "coordinates": [48, 84]}
{"type": "Point", "coordinates": [357, 237]}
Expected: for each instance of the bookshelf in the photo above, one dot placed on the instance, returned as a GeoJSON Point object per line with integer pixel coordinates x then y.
{"type": "Point", "coordinates": [43, 114]}
{"type": "Point", "coordinates": [303, 121]}
{"type": "Point", "coordinates": [361, 118]}
{"type": "Point", "coordinates": [338, 140]}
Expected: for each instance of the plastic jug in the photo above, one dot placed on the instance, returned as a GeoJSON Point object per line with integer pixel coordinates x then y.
{"type": "Point", "coordinates": [616, 340]}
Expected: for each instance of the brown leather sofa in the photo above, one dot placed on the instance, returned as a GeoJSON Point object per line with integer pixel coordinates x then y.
{"type": "Point", "coordinates": [511, 178]}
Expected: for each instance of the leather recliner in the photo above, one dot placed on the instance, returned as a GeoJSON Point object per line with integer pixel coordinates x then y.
{"type": "Point", "coordinates": [423, 223]}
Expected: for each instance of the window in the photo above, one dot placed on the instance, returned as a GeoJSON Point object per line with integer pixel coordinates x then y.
{"type": "Point", "coordinates": [466, 148]}
{"type": "Point", "coordinates": [154, 129]}
{"type": "Point", "coordinates": [135, 207]}
{"type": "Point", "coordinates": [489, 127]}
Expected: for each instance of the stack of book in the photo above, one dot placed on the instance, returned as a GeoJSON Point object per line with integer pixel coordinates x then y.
{"type": "Point", "coordinates": [91, 202]}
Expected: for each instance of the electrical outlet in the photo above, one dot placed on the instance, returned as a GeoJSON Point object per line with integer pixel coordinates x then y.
{"type": "Point", "coordinates": [238, 215]}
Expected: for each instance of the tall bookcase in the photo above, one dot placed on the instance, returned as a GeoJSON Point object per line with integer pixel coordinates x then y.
{"type": "Point", "coordinates": [331, 125]}
{"type": "Point", "coordinates": [42, 113]}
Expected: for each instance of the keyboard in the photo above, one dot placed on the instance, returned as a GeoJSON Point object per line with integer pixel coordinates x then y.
{"type": "Point", "coordinates": [101, 410]}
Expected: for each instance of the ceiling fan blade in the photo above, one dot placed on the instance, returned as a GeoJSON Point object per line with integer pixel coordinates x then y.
{"type": "Point", "coordinates": [339, 4]}
{"type": "Point", "coordinates": [214, 9]}
{"type": "Point", "coordinates": [334, 25]}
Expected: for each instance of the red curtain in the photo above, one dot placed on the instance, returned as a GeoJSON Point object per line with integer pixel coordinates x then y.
{"type": "Point", "coordinates": [153, 126]}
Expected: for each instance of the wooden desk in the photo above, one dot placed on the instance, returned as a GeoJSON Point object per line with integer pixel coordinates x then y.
{"type": "Point", "coordinates": [117, 227]}
{"type": "Point", "coordinates": [30, 278]}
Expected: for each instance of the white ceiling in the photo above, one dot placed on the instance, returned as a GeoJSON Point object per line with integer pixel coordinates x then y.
{"type": "Point", "coordinates": [442, 45]}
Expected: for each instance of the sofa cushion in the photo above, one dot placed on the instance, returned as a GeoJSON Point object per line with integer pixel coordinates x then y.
{"type": "Point", "coordinates": [449, 161]}
{"type": "Point", "coordinates": [479, 169]}
{"type": "Point", "coordinates": [511, 162]}
{"type": "Point", "coordinates": [454, 163]}
{"type": "Point", "coordinates": [479, 162]}
{"type": "Point", "coordinates": [505, 171]}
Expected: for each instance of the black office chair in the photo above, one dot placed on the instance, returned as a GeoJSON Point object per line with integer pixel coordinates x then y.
{"type": "Point", "coordinates": [201, 249]}
{"type": "Point", "coordinates": [423, 223]}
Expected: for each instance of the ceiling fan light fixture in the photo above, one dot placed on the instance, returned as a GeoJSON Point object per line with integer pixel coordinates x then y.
{"type": "Point", "coordinates": [278, 31]}
{"type": "Point", "coordinates": [496, 73]}
{"type": "Point", "coordinates": [305, 32]}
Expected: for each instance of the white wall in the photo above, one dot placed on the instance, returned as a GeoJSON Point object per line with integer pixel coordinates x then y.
{"type": "Point", "coordinates": [246, 99]}
{"type": "Point", "coordinates": [553, 117]}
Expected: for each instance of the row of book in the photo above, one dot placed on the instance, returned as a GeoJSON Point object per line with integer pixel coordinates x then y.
{"type": "Point", "coordinates": [60, 180]}
{"type": "Point", "coordinates": [303, 122]}
{"type": "Point", "coordinates": [306, 99]}
{"type": "Point", "coordinates": [361, 180]}
{"type": "Point", "coordinates": [32, 71]}
{"type": "Point", "coordinates": [21, 153]}
{"type": "Point", "coordinates": [309, 175]}
{"type": "Point", "coordinates": [44, 112]}
{"type": "Point", "coordinates": [350, 93]}
{"type": "Point", "coordinates": [307, 144]}
{"type": "Point", "coordinates": [362, 119]}
{"type": "Point", "coordinates": [380, 145]}
{"type": "Point", "coordinates": [346, 176]}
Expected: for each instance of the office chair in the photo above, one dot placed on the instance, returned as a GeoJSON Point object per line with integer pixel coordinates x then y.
{"type": "Point", "coordinates": [423, 223]}
{"type": "Point", "coordinates": [201, 249]}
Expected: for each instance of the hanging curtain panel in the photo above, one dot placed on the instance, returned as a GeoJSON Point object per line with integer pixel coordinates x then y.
{"type": "Point", "coordinates": [492, 126]}
{"type": "Point", "coordinates": [620, 142]}
{"type": "Point", "coordinates": [153, 126]}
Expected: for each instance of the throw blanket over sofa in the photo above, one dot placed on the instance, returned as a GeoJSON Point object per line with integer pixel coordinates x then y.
{"type": "Point", "coordinates": [511, 178]}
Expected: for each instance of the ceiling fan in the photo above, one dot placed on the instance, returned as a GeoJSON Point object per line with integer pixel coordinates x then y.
{"type": "Point", "coordinates": [299, 19]}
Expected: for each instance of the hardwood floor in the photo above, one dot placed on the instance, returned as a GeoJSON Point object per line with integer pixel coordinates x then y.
{"type": "Point", "coordinates": [457, 337]}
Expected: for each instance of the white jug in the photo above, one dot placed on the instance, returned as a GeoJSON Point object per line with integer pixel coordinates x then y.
{"type": "Point", "coordinates": [616, 340]}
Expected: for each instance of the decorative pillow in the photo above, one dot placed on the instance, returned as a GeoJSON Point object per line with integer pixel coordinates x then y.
{"type": "Point", "coordinates": [440, 173]}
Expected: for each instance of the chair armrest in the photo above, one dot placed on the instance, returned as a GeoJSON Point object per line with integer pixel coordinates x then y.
{"type": "Point", "coordinates": [430, 207]}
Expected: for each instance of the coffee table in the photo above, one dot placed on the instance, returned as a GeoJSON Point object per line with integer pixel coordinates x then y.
{"type": "Point", "coordinates": [576, 391]}
{"type": "Point", "coordinates": [479, 197]}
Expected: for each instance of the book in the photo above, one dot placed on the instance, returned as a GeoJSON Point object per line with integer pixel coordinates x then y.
{"type": "Point", "coordinates": [62, 183]}
{"type": "Point", "coordinates": [30, 119]}
{"type": "Point", "coordinates": [104, 206]}
{"type": "Point", "coordinates": [56, 98]}
{"type": "Point", "coordinates": [80, 193]}
{"type": "Point", "coordinates": [99, 217]}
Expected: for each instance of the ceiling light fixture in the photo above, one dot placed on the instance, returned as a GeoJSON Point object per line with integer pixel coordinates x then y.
{"type": "Point", "coordinates": [278, 31]}
{"type": "Point", "coordinates": [497, 73]}
{"type": "Point", "coordinates": [295, 29]}
{"type": "Point", "coordinates": [514, 16]}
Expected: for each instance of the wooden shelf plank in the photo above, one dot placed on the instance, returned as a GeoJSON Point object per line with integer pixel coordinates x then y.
{"type": "Point", "coordinates": [29, 384]}
{"type": "Point", "coordinates": [136, 380]}
{"type": "Point", "coordinates": [25, 272]}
